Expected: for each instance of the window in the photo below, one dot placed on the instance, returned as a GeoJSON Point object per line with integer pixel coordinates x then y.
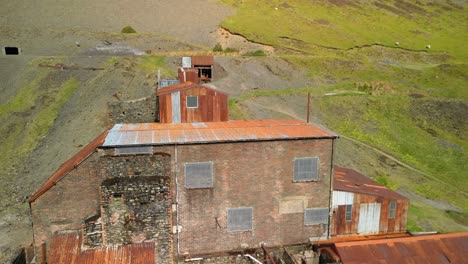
{"type": "Point", "coordinates": [315, 216]}
{"type": "Point", "coordinates": [198, 175]}
{"type": "Point", "coordinates": [349, 213]}
{"type": "Point", "coordinates": [240, 219]}
{"type": "Point", "coordinates": [134, 150]}
{"type": "Point", "coordinates": [305, 169]}
{"type": "Point", "coordinates": [192, 101]}
{"type": "Point", "coordinates": [392, 211]}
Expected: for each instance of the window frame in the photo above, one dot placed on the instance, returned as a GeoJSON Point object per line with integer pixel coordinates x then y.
{"type": "Point", "coordinates": [348, 213]}
{"type": "Point", "coordinates": [211, 185]}
{"type": "Point", "coordinates": [325, 221]}
{"type": "Point", "coordinates": [392, 211]}
{"type": "Point", "coordinates": [229, 216]}
{"type": "Point", "coordinates": [311, 178]}
{"type": "Point", "coordinates": [187, 101]}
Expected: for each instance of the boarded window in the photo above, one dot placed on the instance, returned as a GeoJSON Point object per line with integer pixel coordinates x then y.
{"type": "Point", "coordinates": [392, 211]}
{"type": "Point", "coordinates": [305, 169]}
{"type": "Point", "coordinates": [240, 219]}
{"type": "Point", "coordinates": [134, 150]}
{"type": "Point", "coordinates": [349, 213]}
{"type": "Point", "coordinates": [315, 216]}
{"type": "Point", "coordinates": [198, 175]}
{"type": "Point", "coordinates": [192, 101]}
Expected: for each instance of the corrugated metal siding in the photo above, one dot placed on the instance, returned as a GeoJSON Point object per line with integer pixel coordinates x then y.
{"type": "Point", "coordinates": [66, 248]}
{"type": "Point", "coordinates": [212, 105]}
{"type": "Point", "coordinates": [202, 61]}
{"type": "Point", "coordinates": [176, 107]}
{"type": "Point", "coordinates": [342, 198]}
{"type": "Point", "coordinates": [369, 218]}
{"type": "Point", "coordinates": [232, 131]}
{"type": "Point", "coordinates": [443, 248]}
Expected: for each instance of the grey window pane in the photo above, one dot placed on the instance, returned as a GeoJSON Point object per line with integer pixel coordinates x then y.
{"type": "Point", "coordinates": [198, 175]}
{"type": "Point", "coordinates": [240, 219]}
{"type": "Point", "coordinates": [316, 216]}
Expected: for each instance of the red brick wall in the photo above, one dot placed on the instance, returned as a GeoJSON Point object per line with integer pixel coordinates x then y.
{"type": "Point", "coordinates": [65, 205]}
{"type": "Point", "coordinates": [249, 174]}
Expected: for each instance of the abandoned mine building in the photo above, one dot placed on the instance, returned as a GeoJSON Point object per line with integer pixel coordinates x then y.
{"type": "Point", "coordinates": [196, 185]}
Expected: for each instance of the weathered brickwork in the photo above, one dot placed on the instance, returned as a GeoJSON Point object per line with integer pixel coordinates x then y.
{"type": "Point", "coordinates": [137, 209]}
{"type": "Point", "coordinates": [250, 174]}
{"type": "Point", "coordinates": [69, 202]}
{"type": "Point", "coordinates": [144, 110]}
{"type": "Point", "coordinates": [134, 165]}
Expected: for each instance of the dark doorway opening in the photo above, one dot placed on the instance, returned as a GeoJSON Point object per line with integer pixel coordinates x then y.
{"type": "Point", "coordinates": [11, 50]}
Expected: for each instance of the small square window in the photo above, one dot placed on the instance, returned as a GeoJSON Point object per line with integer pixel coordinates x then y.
{"type": "Point", "coordinates": [315, 216]}
{"type": "Point", "coordinates": [198, 175]}
{"type": "Point", "coordinates": [192, 101]}
{"type": "Point", "coordinates": [240, 219]}
{"type": "Point", "coordinates": [349, 213]}
{"type": "Point", "coordinates": [305, 169]}
{"type": "Point", "coordinates": [392, 210]}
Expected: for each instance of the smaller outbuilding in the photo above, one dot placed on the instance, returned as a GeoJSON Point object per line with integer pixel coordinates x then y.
{"type": "Point", "coordinates": [190, 102]}
{"type": "Point", "coordinates": [361, 206]}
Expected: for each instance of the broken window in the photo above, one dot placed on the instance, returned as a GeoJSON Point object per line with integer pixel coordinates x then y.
{"type": "Point", "coordinates": [349, 213]}
{"type": "Point", "coordinates": [192, 101]}
{"type": "Point", "coordinates": [198, 175]}
{"type": "Point", "coordinates": [315, 216]}
{"type": "Point", "coordinates": [134, 150]}
{"type": "Point", "coordinates": [305, 169]}
{"type": "Point", "coordinates": [392, 211]}
{"type": "Point", "coordinates": [240, 219]}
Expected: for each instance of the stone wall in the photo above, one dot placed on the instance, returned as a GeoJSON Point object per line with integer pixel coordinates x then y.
{"type": "Point", "coordinates": [144, 110]}
{"type": "Point", "coordinates": [137, 209]}
{"type": "Point", "coordinates": [135, 165]}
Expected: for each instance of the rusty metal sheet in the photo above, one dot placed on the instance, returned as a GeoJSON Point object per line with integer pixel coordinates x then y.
{"type": "Point", "coordinates": [66, 248]}
{"type": "Point", "coordinates": [350, 180]}
{"type": "Point", "coordinates": [210, 132]}
{"type": "Point", "coordinates": [441, 248]}
{"type": "Point", "coordinates": [202, 61]}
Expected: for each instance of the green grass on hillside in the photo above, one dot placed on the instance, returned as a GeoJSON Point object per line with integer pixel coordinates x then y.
{"type": "Point", "coordinates": [304, 24]}
{"type": "Point", "coordinates": [151, 64]}
{"type": "Point", "coordinates": [28, 116]}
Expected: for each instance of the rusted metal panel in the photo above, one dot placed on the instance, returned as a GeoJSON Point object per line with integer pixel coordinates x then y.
{"type": "Point", "coordinates": [351, 181]}
{"type": "Point", "coordinates": [231, 131]}
{"type": "Point", "coordinates": [443, 248]}
{"type": "Point", "coordinates": [202, 61]}
{"type": "Point", "coordinates": [66, 248]}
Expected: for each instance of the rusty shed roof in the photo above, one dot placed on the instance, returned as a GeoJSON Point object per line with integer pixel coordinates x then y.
{"type": "Point", "coordinates": [442, 248]}
{"type": "Point", "coordinates": [212, 132]}
{"type": "Point", "coordinates": [66, 248]}
{"type": "Point", "coordinates": [349, 180]}
{"type": "Point", "coordinates": [185, 86]}
{"type": "Point", "coordinates": [202, 60]}
{"type": "Point", "coordinates": [69, 165]}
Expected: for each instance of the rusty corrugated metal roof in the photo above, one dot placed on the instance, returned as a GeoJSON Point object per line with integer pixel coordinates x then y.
{"type": "Point", "coordinates": [68, 165]}
{"type": "Point", "coordinates": [349, 180]}
{"type": "Point", "coordinates": [66, 248]}
{"type": "Point", "coordinates": [211, 132]}
{"type": "Point", "coordinates": [442, 248]}
{"type": "Point", "coordinates": [202, 60]}
{"type": "Point", "coordinates": [185, 86]}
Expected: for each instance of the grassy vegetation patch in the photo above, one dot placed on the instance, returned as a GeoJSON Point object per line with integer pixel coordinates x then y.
{"type": "Point", "coordinates": [127, 30]}
{"type": "Point", "coordinates": [303, 24]}
{"type": "Point", "coordinates": [151, 64]}
{"type": "Point", "coordinates": [26, 126]}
